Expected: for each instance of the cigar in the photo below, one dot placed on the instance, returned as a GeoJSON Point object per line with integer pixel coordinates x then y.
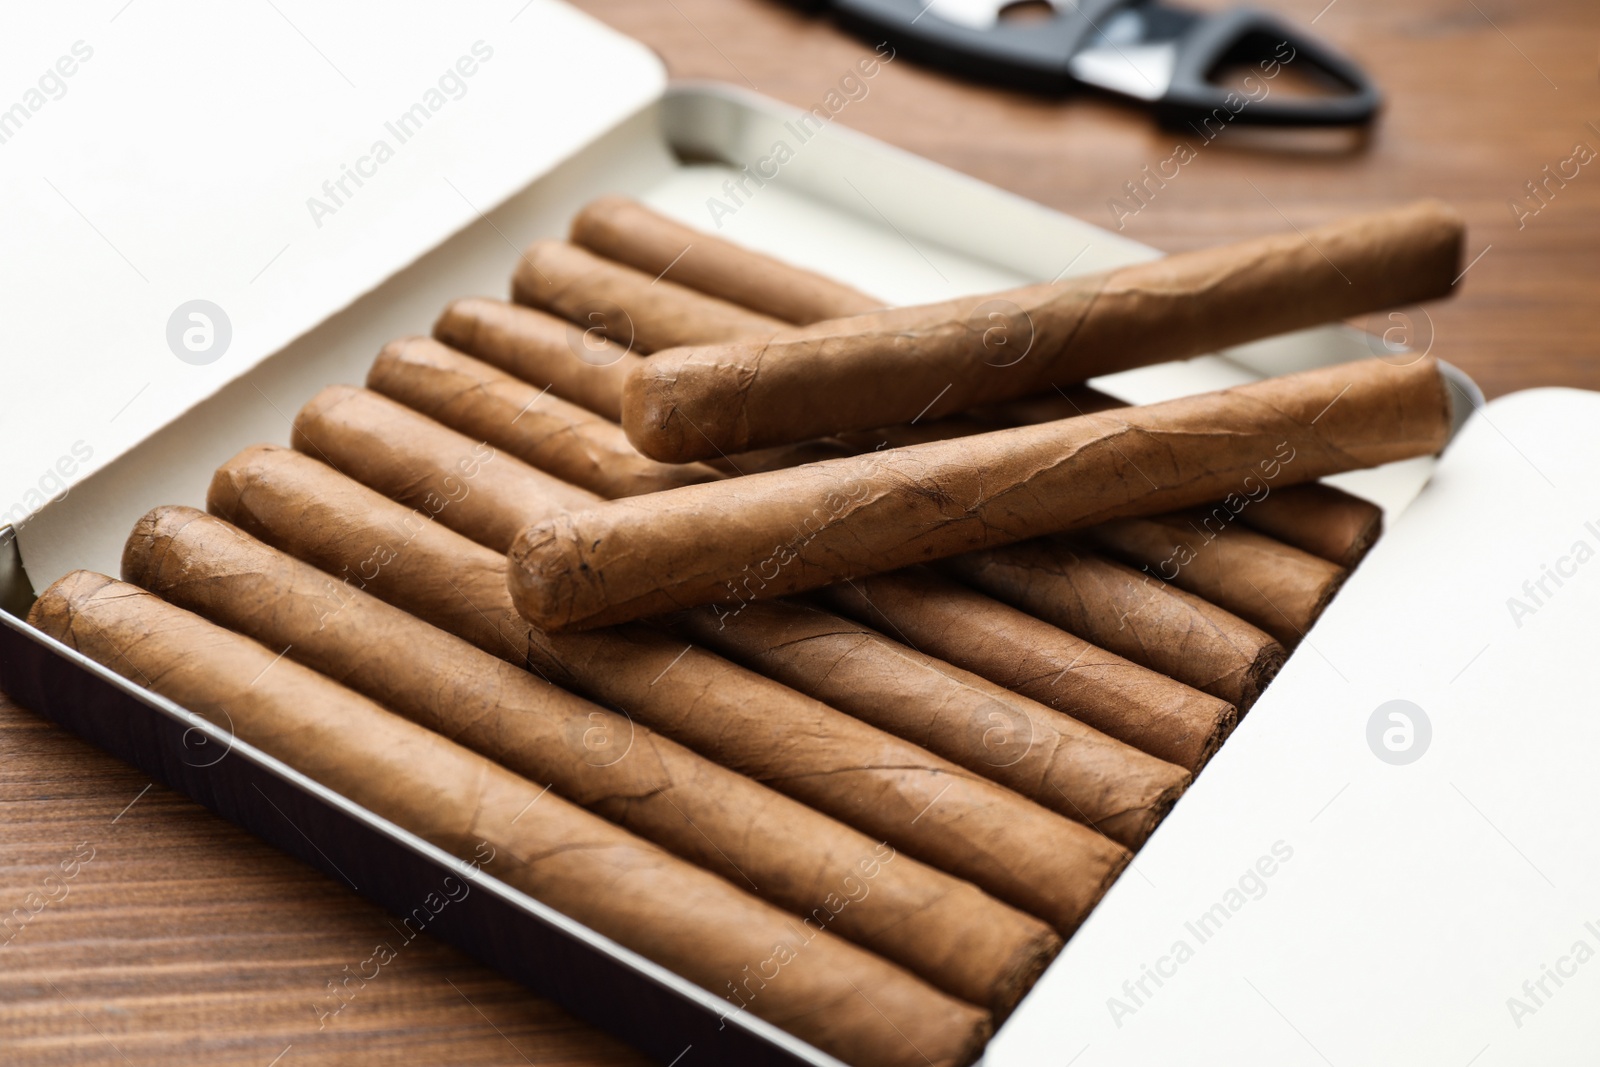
{"type": "Point", "coordinates": [1320, 519]}
{"type": "Point", "coordinates": [1269, 584]}
{"type": "Point", "coordinates": [938, 927]}
{"type": "Point", "coordinates": [363, 434]}
{"type": "Point", "coordinates": [890, 789]}
{"type": "Point", "coordinates": [626, 231]}
{"type": "Point", "coordinates": [1315, 518]}
{"type": "Point", "coordinates": [892, 366]}
{"type": "Point", "coordinates": [1331, 524]}
{"type": "Point", "coordinates": [578, 364]}
{"type": "Point", "coordinates": [1129, 613]}
{"type": "Point", "coordinates": [483, 402]}
{"type": "Point", "coordinates": [1064, 765]}
{"type": "Point", "coordinates": [782, 532]}
{"type": "Point", "coordinates": [1025, 654]}
{"type": "Point", "coordinates": [669, 911]}
{"type": "Point", "coordinates": [633, 309]}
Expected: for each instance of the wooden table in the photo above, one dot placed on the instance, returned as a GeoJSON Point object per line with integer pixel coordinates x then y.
{"type": "Point", "coordinates": [184, 940]}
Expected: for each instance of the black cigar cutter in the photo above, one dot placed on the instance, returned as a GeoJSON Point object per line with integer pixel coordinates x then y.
{"type": "Point", "coordinates": [1164, 57]}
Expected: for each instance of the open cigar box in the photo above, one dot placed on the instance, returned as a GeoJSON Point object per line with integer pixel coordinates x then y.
{"type": "Point", "coordinates": [1311, 898]}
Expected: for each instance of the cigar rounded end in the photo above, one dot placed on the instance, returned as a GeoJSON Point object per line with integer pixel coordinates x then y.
{"type": "Point", "coordinates": [593, 226]}
{"type": "Point", "coordinates": [146, 546]}
{"type": "Point", "coordinates": [225, 494]}
{"type": "Point", "coordinates": [53, 613]}
{"type": "Point", "coordinates": [542, 575]}
{"type": "Point", "coordinates": [458, 324]}
{"type": "Point", "coordinates": [653, 421]}
{"type": "Point", "coordinates": [303, 432]}
{"type": "Point", "coordinates": [531, 284]}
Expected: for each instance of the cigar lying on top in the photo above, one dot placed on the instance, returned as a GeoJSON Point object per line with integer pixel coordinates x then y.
{"type": "Point", "coordinates": [1233, 660]}
{"type": "Point", "coordinates": [686, 919]}
{"type": "Point", "coordinates": [626, 231]}
{"type": "Point", "coordinates": [924, 806]}
{"type": "Point", "coordinates": [1321, 519]}
{"type": "Point", "coordinates": [890, 366]}
{"type": "Point", "coordinates": [938, 927]}
{"type": "Point", "coordinates": [1318, 519]}
{"type": "Point", "coordinates": [1053, 760]}
{"type": "Point", "coordinates": [630, 307]}
{"type": "Point", "coordinates": [777, 533]}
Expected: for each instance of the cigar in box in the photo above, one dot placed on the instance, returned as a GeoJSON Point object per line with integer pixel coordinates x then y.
{"type": "Point", "coordinates": [786, 531]}
{"type": "Point", "coordinates": [1054, 760]}
{"type": "Point", "coordinates": [622, 361]}
{"type": "Point", "coordinates": [924, 806]}
{"type": "Point", "coordinates": [938, 927]}
{"type": "Point", "coordinates": [892, 366]}
{"type": "Point", "coordinates": [1232, 670]}
{"type": "Point", "coordinates": [1156, 714]}
{"type": "Point", "coordinates": [685, 918]}
{"type": "Point", "coordinates": [1273, 587]}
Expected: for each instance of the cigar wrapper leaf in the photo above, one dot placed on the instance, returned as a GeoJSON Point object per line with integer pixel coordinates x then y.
{"type": "Point", "coordinates": [783, 532]}
{"type": "Point", "coordinates": [907, 363]}
{"type": "Point", "coordinates": [627, 232]}
{"type": "Point", "coordinates": [1061, 764]}
{"type": "Point", "coordinates": [924, 806]}
{"type": "Point", "coordinates": [938, 927]}
{"type": "Point", "coordinates": [632, 308]}
{"type": "Point", "coordinates": [597, 873]}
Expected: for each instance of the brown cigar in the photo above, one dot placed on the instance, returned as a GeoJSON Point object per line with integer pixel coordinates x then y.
{"type": "Point", "coordinates": [1129, 613]}
{"type": "Point", "coordinates": [1062, 764]}
{"type": "Point", "coordinates": [669, 911]}
{"type": "Point", "coordinates": [1027, 655]}
{"type": "Point", "coordinates": [1266, 583]}
{"type": "Point", "coordinates": [924, 806]}
{"type": "Point", "coordinates": [628, 232]}
{"type": "Point", "coordinates": [1067, 767]}
{"type": "Point", "coordinates": [891, 366]}
{"type": "Point", "coordinates": [942, 929]}
{"type": "Point", "coordinates": [1328, 523]}
{"type": "Point", "coordinates": [1314, 518]}
{"type": "Point", "coordinates": [784, 531]}
{"type": "Point", "coordinates": [353, 430]}
{"type": "Point", "coordinates": [580, 364]}
{"type": "Point", "coordinates": [479, 400]}
{"type": "Point", "coordinates": [637, 311]}
{"type": "Point", "coordinates": [1318, 519]}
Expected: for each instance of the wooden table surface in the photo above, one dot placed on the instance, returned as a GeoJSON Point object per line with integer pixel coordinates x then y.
{"type": "Point", "coordinates": [184, 940]}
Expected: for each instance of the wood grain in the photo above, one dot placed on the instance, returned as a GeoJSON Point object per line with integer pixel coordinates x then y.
{"type": "Point", "coordinates": [184, 940]}
{"type": "Point", "coordinates": [1482, 94]}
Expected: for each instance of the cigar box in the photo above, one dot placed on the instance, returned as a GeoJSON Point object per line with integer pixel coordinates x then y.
{"type": "Point", "coordinates": [1385, 861]}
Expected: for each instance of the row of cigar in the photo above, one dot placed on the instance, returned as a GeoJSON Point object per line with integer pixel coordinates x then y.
{"type": "Point", "coordinates": [845, 706]}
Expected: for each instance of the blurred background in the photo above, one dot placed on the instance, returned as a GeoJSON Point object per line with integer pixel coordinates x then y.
{"type": "Point", "coordinates": [1481, 96]}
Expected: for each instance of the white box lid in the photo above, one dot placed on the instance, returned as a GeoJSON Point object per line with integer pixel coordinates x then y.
{"type": "Point", "coordinates": [184, 158]}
